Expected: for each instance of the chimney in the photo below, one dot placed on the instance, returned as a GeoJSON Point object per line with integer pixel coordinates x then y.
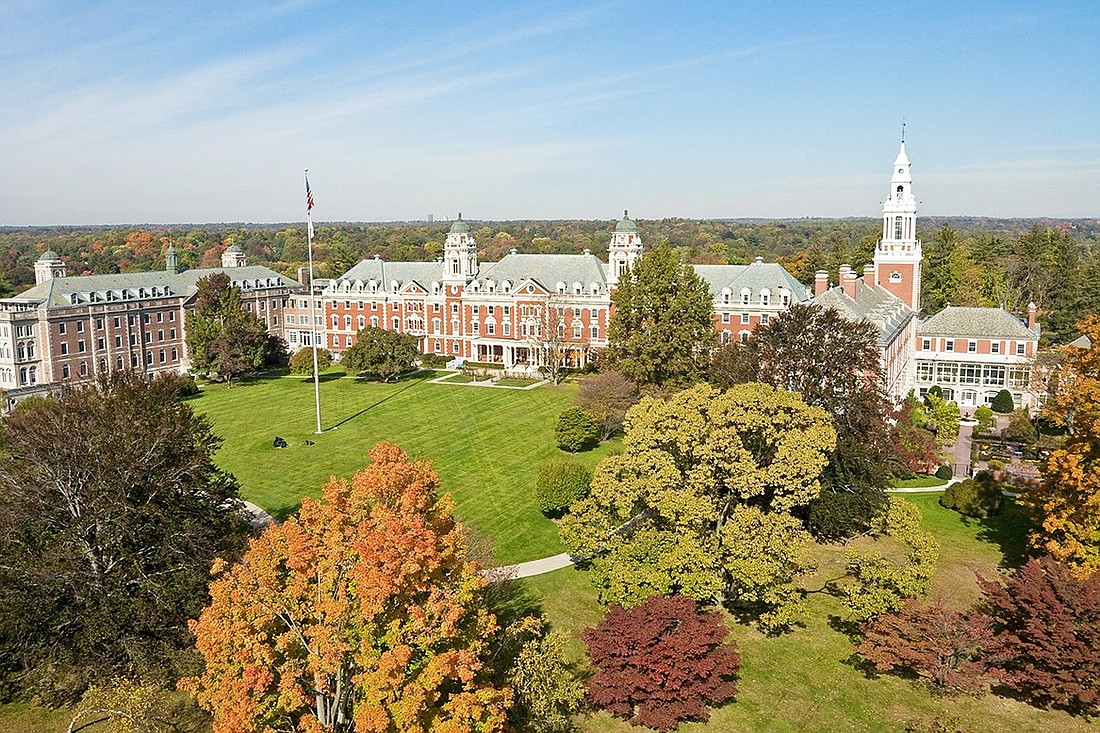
{"type": "Point", "coordinates": [848, 281]}
{"type": "Point", "coordinates": [303, 275]}
{"type": "Point", "coordinates": [759, 260]}
{"type": "Point", "coordinates": [821, 282]}
{"type": "Point", "coordinates": [869, 274]}
{"type": "Point", "coordinates": [1032, 311]}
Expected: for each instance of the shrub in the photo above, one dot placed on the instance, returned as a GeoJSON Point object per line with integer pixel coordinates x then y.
{"type": "Point", "coordinates": [1046, 635]}
{"type": "Point", "coordinates": [973, 498]}
{"type": "Point", "coordinates": [576, 431]}
{"type": "Point", "coordinates": [1003, 402]}
{"type": "Point", "coordinates": [301, 362]}
{"type": "Point", "coordinates": [661, 662]}
{"type": "Point", "coordinates": [935, 643]}
{"type": "Point", "coordinates": [944, 472]}
{"type": "Point", "coordinates": [935, 391]}
{"type": "Point", "coordinates": [1019, 428]}
{"type": "Point", "coordinates": [996, 465]}
{"type": "Point", "coordinates": [838, 515]}
{"type": "Point", "coordinates": [985, 417]}
{"type": "Point", "coordinates": [430, 360]}
{"type": "Point", "coordinates": [561, 484]}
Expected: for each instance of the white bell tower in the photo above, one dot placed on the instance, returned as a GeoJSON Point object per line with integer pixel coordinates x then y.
{"type": "Point", "coordinates": [459, 253]}
{"type": "Point", "coordinates": [898, 255]}
{"type": "Point", "coordinates": [624, 250]}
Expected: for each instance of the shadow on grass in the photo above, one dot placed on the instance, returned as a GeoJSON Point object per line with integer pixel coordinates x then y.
{"type": "Point", "coordinates": [368, 408]}
{"type": "Point", "coordinates": [1008, 530]}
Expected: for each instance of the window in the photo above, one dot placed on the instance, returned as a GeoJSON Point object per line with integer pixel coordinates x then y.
{"type": "Point", "coordinates": [64, 371]}
{"type": "Point", "coordinates": [995, 347]}
{"type": "Point", "coordinates": [476, 311]}
{"type": "Point", "coordinates": [1019, 376]}
{"type": "Point", "coordinates": [972, 347]}
{"type": "Point", "coordinates": [171, 315]}
{"type": "Point", "coordinates": [744, 319]}
{"type": "Point", "coordinates": [61, 328]}
{"type": "Point", "coordinates": [175, 354]}
{"type": "Point", "coordinates": [725, 318]}
{"type": "Point", "coordinates": [745, 297]}
{"type": "Point", "coordinates": [491, 309]}
{"type": "Point", "coordinates": [347, 323]}
{"type": "Point", "coordinates": [148, 336]}
{"type": "Point", "coordinates": [924, 371]}
{"type": "Point", "coordinates": [948, 373]}
{"type": "Point", "coordinates": [477, 328]}
{"type": "Point", "coordinates": [100, 343]}
{"type": "Point", "coordinates": [576, 329]}
{"type": "Point", "coordinates": [83, 368]}
{"type": "Point", "coordinates": [594, 332]}
{"type": "Point", "coordinates": [897, 227]}
{"type": "Point", "coordinates": [396, 324]}
{"type": "Point", "coordinates": [160, 317]}
{"type": "Point", "coordinates": [949, 345]}
{"type": "Point", "coordinates": [163, 356]}
{"type": "Point", "coordinates": [490, 327]}
{"type": "Point", "coordinates": [81, 346]}
{"type": "Point", "coordinates": [765, 297]}
{"type": "Point", "coordinates": [507, 328]}
{"type": "Point", "coordinates": [80, 326]}
{"type": "Point", "coordinates": [64, 348]}
{"type": "Point", "coordinates": [764, 318]}
{"type": "Point", "coordinates": [1021, 349]}
{"type": "Point", "coordinates": [172, 334]}
{"type": "Point", "coordinates": [160, 335]}
{"type": "Point", "coordinates": [99, 323]}
{"type": "Point", "coordinates": [454, 309]}
{"type": "Point", "coordinates": [507, 310]}
{"type": "Point", "coordinates": [118, 342]}
{"type": "Point", "coordinates": [435, 307]}
{"type": "Point", "coordinates": [362, 321]}
{"type": "Point", "coordinates": [994, 376]}
{"type": "Point", "coordinates": [970, 374]}
{"type": "Point", "coordinates": [926, 344]}
{"type": "Point", "coordinates": [373, 322]}
{"type": "Point", "coordinates": [118, 323]}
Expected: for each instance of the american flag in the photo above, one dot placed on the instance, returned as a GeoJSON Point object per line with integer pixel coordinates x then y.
{"type": "Point", "coordinates": [309, 197]}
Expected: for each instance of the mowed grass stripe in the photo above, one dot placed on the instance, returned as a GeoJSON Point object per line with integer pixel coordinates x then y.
{"type": "Point", "coordinates": [486, 444]}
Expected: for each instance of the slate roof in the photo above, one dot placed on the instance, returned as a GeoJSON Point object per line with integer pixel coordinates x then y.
{"type": "Point", "coordinates": [755, 277]}
{"type": "Point", "coordinates": [968, 322]}
{"type": "Point", "coordinates": [547, 270]}
{"type": "Point", "coordinates": [872, 304]}
{"type": "Point", "coordinates": [384, 273]}
{"type": "Point", "coordinates": [56, 292]}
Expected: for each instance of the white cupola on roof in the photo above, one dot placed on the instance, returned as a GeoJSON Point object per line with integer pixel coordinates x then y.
{"type": "Point", "coordinates": [624, 250]}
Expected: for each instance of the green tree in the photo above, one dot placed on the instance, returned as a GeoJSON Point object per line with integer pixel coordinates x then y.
{"type": "Point", "coordinates": [546, 694]}
{"type": "Point", "coordinates": [1002, 402]}
{"type": "Point", "coordinates": [223, 338]}
{"type": "Point", "coordinates": [655, 522]}
{"type": "Point", "coordinates": [661, 331]}
{"type": "Point", "coordinates": [832, 363]}
{"type": "Point", "coordinates": [606, 397]}
{"type": "Point", "coordinates": [560, 484]}
{"type": "Point", "coordinates": [384, 354]}
{"type": "Point", "coordinates": [302, 360]}
{"type": "Point", "coordinates": [576, 431]}
{"type": "Point", "coordinates": [944, 418]}
{"type": "Point", "coordinates": [107, 534]}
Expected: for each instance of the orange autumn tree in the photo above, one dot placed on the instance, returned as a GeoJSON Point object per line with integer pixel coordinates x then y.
{"type": "Point", "coordinates": [1067, 506]}
{"type": "Point", "coordinates": [362, 613]}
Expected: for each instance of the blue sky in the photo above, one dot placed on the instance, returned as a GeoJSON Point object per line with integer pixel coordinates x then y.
{"type": "Point", "coordinates": [158, 112]}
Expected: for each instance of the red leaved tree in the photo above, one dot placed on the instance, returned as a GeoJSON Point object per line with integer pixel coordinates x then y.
{"type": "Point", "coordinates": [661, 662]}
{"type": "Point", "coordinates": [1046, 634]}
{"type": "Point", "coordinates": [362, 613]}
{"type": "Point", "coordinates": [933, 642]}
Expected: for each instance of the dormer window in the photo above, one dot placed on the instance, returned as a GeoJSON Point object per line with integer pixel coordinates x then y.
{"type": "Point", "coordinates": [765, 297]}
{"type": "Point", "coordinates": [505, 286]}
{"type": "Point", "coordinates": [576, 288]}
{"type": "Point", "coordinates": [745, 295]}
{"type": "Point", "coordinates": [726, 297]}
{"type": "Point", "coordinates": [561, 288]}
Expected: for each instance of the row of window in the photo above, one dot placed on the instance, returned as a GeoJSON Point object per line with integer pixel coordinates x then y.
{"type": "Point", "coordinates": [765, 318]}
{"type": "Point", "coordinates": [988, 374]}
{"type": "Point", "coordinates": [972, 346]}
{"type": "Point", "coordinates": [765, 297]}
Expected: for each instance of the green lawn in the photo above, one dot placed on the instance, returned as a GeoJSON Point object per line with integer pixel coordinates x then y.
{"type": "Point", "coordinates": [487, 444]}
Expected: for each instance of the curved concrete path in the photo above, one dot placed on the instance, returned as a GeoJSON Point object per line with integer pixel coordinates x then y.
{"type": "Point", "coordinates": [529, 568]}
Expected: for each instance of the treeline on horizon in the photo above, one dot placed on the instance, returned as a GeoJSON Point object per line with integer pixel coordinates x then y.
{"type": "Point", "coordinates": [967, 260]}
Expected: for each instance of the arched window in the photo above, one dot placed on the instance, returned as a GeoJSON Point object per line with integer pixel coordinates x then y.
{"type": "Point", "coordinates": [895, 277]}
{"type": "Point", "coordinates": [745, 295]}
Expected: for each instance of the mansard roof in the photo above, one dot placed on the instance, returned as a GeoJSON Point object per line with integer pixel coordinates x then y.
{"type": "Point", "coordinates": [384, 273]}
{"type": "Point", "coordinates": [755, 277]}
{"type": "Point", "coordinates": [873, 304]}
{"type": "Point", "coordinates": [975, 323]}
{"type": "Point", "coordinates": [547, 270]}
{"type": "Point", "coordinates": [58, 292]}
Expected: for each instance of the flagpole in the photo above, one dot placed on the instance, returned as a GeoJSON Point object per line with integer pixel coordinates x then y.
{"type": "Point", "coordinates": [312, 302]}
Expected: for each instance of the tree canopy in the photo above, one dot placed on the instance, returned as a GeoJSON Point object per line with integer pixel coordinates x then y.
{"type": "Point", "coordinates": [698, 503]}
{"type": "Point", "coordinates": [384, 354]}
{"type": "Point", "coordinates": [661, 331]}
{"type": "Point", "coordinates": [223, 338]}
{"type": "Point", "coordinates": [361, 613]}
{"type": "Point", "coordinates": [1066, 510]}
{"type": "Point", "coordinates": [111, 513]}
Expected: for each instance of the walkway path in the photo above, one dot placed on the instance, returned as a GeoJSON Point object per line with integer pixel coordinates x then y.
{"type": "Point", "coordinates": [527, 569]}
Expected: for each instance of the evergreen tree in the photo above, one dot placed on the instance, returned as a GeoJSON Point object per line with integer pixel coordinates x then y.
{"type": "Point", "coordinates": [222, 337]}
{"type": "Point", "coordinates": [662, 329]}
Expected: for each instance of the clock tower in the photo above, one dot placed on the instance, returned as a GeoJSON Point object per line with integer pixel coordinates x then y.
{"type": "Point", "coordinates": [898, 255]}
